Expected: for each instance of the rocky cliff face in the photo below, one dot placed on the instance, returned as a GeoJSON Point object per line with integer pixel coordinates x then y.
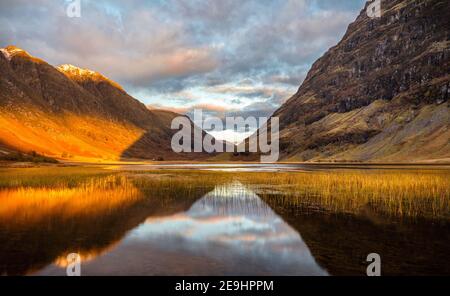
{"type": "Point", "coordinates": [74, 113]}
{"type": "Point", "coordinates": [381, 94]}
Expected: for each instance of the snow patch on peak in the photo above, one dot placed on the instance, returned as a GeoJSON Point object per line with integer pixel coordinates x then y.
{"type": "Point", "coordinates": [77, 73]}
{"type": "Point", "coordinates": [5, 54]}
{"type": "Point", "coordinates": [74, 70]}
{"type": "Point", "coordinates": [10, 51]}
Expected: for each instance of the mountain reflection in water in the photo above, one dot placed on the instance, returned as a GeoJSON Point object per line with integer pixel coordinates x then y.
{"type": "Point", "coordinates": [166, 224]}
{"type": "Point", "coordinates": [229, 231]}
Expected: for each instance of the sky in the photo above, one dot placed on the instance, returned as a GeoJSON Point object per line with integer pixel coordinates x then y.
{"type": "Point", "coordinates": [226, 57]}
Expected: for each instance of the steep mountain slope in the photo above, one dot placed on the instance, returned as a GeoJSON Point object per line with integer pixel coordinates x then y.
{"type": "Point", "coordinates": [74, 113]}
{"type": "Point", "coordinates": [381, 94]}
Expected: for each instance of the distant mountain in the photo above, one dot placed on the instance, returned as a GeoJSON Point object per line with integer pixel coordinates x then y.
{"type": "Point", "coordinates": [381, 94]}
{"type": "Point", "coordinates": [73, 113]}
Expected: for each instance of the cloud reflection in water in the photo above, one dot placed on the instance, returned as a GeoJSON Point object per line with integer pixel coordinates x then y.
{"type": "Point", "coordinates": [229, 231]}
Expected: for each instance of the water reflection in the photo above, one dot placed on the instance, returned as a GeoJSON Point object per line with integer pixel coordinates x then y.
{"type": "Point", "coordinates": [139, 224]}
{"type": "Point", "coordinates": [229, 231]}
{"type": "Point", "coordinates": [39, 226]}
{"type": "Point", "coordinates": [271, 167]}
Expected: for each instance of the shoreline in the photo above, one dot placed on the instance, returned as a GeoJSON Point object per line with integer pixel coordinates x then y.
{"type": "Point", "coordinates": [206, 164]}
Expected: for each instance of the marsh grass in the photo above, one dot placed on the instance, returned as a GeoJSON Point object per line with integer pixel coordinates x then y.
{"type": "Point", "coordinates": [92, 197]}
{"type": "Point", "coordinates": [49, 176]}
{"type": "Point", "coordinates": [29, 194]}
{"type": "Point", "coordinates": [411, 194]}
{"type": "Point", "coordinates": [394, 193]}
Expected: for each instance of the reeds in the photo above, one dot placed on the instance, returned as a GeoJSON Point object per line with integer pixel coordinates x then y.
{"type": "Point", "coordinates": [401, 193]}
{"type": "Point", "coordinates": [96, 196]}
{"type": "Point", "coordinates": [398, 193]}
{"type": "Point", "coordinates": [48, 176]}
{"type": "Point", "coordinates": [394, 193]}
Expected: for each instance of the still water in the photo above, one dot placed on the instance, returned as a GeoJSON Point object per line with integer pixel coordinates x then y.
{"type": "Point", "coordinates": [118, 228]}
{"type": "Point", "coordinates": [230, 230]}
{"type": "Point", "coordinates": [272, 167]}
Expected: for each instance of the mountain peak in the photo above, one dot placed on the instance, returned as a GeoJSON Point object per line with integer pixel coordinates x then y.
{"type": "Point", "coordinates": [380, 94]}
{"type": "Point", "coordinates": [73, 112]}
{"type": "Point", "coordinates": [80, 74]}
{"type": "Point", "coordinates": [11, 51]}
{"type": "Point", "coordinates": [74, 70]}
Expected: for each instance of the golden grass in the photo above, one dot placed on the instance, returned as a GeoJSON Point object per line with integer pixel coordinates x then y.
{"type": "Point", "coordinates": [48, 176]}
{"type": "Point", "coordinates": [396, 193]}
{"type": "Point", "coordinates": [393, 193]}
{"type": "Point", "coordinates": [34, 194]}
{"type": "Point", "coordinates": [93, 197]}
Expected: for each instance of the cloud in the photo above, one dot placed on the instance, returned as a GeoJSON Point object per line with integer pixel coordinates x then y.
{"type": "Point", "coordinates": [179, 110]}
{"type": "Point", "coordinates": [206, 108]}
{"type": "Point", "coordinates": [132, 46]}
{"type": "Point", "coordinates": [228, 57]}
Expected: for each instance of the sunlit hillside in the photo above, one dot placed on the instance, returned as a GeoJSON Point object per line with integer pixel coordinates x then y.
{"type": "Point", "coordinates": [76, 114]}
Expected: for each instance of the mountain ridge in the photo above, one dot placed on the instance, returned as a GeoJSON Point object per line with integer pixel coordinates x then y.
{"type": "Point", "coordinates": [77, 114]}
{"type": "Point", "coordinates": [381, 94]}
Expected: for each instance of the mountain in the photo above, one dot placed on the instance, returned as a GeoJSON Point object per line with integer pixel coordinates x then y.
{"type": "Point", "coordinates": [381, 94]}
{"type": "Point", "coordinates": [73, 113]}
